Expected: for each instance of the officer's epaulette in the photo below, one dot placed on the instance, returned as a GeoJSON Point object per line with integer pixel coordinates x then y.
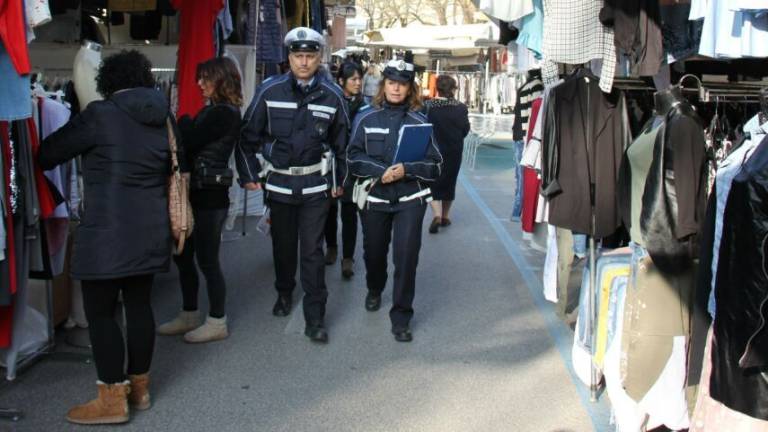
{"type": "Point", "coordinates": [419, 115]}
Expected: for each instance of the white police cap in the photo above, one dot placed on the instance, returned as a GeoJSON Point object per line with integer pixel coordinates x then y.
{"type": "Point", "coordinates": [303, 39]}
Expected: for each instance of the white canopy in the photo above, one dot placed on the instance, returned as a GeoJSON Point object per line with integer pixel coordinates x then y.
{"type": "Point", "coordinates": [450, 37]}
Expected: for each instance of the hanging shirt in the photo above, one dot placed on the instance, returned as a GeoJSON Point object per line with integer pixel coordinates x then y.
{"type": "Point", "coordinates": [531, 29]}
{"type": "Point", "coordinates": [506, 10]}
{"type": "Point", "coordinates": [730, 33]}
{"type": "Point", "coordinates": [575, 36]}
{"type": "Point", "coordinates": [198, 19]}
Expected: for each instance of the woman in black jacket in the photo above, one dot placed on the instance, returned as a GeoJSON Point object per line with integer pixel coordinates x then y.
{"type": "Point", "coordinates": [208, 142]}
{"type": "Point", "coordinates": [451, 122]}
{"type": "Point", "coordinates": [395, 206]}
{"type": "Point", "coordinates": [124, 235]}
{"type": "Point", "coordinates": [350, 78]}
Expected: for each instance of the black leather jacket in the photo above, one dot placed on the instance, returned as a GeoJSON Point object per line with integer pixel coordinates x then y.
{"type": "Point", "coordinates": [211, 135]}
{"type": "Point", "coordinates": [674, 199]}
{"type": "Point", "coordinates": [372, 148]}
{"type": "Point", "coordinates": [293, 127]}
{"type": "Point", "coordinates": [740, 343]}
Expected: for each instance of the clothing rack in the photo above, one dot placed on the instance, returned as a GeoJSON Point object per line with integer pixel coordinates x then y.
{"type": "Point", "coordinates": [706, 91]}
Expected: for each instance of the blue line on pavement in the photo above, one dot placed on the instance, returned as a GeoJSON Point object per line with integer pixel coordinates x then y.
{"type": "Point", "coordinates": [598, 412]}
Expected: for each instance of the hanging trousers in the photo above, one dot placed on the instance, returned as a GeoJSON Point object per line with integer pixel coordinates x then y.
{"type": "Point", "coordinates": [301, 227]}
{"type": "Point", "coordinates": [204, 245]}
{"type": "Point", "coordinates": [403, 228]}
{"type": "Point", "coordinates": [348, 227]}
{"type": "Point", "coordinates": [100, 303]}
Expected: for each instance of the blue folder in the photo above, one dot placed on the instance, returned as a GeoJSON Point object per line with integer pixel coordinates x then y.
{"type": "Point", "coordinates": [412, 143]}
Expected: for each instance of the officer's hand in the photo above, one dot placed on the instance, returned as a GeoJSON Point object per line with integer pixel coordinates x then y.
{"type": "Point", "coordinates": [398, 172]}
{"type": "Point", "coordinates": [388, 176]}
{"type": "Point", "coordinates": [252, 186]}
{"type": "Point", "coordinates": [339, 191]}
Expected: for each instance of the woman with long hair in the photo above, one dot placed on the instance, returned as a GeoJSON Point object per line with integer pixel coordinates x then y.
{"type": "Point", "coordinates": [397, 200]}
{"type": "Point", "coordinates": [123, 142]}
{"type": "Point", "coordinates": [208, 141]}
{"type": "Point", "coordinates": [350, 78]}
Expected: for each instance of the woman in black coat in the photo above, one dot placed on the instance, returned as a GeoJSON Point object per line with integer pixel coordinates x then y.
{"type": "Point", "coordinates": [451, 125]}
{"type": "Point", "coordinates": [208, 141]}
{"type": "Point", "coordinates": [350, 78]}
{"type": "Point", "coordinates": [124, 235]}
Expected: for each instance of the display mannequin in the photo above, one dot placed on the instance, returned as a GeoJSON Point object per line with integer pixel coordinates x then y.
{"type": "Point", "coordinates": [84, 72]}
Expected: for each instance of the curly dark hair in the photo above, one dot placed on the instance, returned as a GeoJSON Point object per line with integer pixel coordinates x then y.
{"type": "Point", "coordinates": [124, 70]}
{"type": "Point", "coordinates": [446, 86]}
{"type": "Point", "coordinates": [223, 74]}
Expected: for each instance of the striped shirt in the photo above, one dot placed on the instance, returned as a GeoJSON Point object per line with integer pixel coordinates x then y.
{"type": "Point", "coordinates": [530, 91]}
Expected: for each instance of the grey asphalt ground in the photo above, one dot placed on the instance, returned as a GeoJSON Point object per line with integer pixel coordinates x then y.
{"type": "Point", "coordinates": [486, 354]}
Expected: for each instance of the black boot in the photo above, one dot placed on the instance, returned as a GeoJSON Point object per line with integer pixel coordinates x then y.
{"type": "Point", "coordinates": [372, 302]}
{"type": "Point", "coordinates": [282, 306]}
{"type": "Point", "coordinates": [402, 334]}
{"type": "Point", "coordinates": [316, 332]}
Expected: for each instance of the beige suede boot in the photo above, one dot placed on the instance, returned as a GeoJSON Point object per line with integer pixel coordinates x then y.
{"type": "Point", "coordinates": [139, 396]}
{"type": "Point", "coordinates": [214, 329]}
{"type": "Point", "coordinates": [186, 321]}
{"type": "Point", "coordinates": [110, 407]}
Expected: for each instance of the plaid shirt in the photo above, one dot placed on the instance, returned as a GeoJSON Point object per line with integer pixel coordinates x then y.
{"type": "Point", "coordinates": [574, 35]}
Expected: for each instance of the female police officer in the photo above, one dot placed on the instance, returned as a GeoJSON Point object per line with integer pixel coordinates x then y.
{"type": "Point", "coordinates": [395, 205]}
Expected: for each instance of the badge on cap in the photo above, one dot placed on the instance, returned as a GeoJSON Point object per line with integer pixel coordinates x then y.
{"type": "Point", "coordinates": [400, 65]}
{"type": "Point", "coordinates": [301, 35]}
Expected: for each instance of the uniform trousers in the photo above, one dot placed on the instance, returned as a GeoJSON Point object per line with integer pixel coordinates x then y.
{"type": "Point", "coordinates": [300, 228]}
{"type": "Point", "coordinates": [348, 227]}
{"type": "Point", "coordinates": [402, 228]}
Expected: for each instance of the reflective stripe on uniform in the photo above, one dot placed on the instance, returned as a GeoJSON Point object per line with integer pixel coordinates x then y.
{"type": "Point", "coordinates": [322, 108]}
{"type": "Point", "coordinates": [279, 104]}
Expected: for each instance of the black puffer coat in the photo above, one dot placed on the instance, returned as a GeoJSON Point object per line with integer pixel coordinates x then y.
{"type": "Point", "coordinates": [123, 141]}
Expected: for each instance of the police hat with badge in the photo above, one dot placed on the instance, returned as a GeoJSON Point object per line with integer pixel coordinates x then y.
{"type": "Point", "coordinates": [401, 70]}
{"type": "Point", "coordinates": [303, 39]}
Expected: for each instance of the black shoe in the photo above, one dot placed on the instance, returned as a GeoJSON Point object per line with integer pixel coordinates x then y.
{"type": "Point", "coordinates": [316, 332]}
{"type": "Point", "coordinates": [402, 334]}
{"type": "Point", "coordinates": [372, 302]}
{"type": "Point", "coordinates": [346, 268]}
{"type": "Point", "coordinates": [434, 227]}
{"type": "Point", "coordinates": [331, 253]}
{"type": "Point", "coordinates": [444, 222]}
{"type": "Point", "coordinates": [282, 306]}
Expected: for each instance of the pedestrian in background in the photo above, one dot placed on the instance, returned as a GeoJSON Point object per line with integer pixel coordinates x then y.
{"type": "Point", "coordinates": [371, 82]}
{"type": "Point", "coordinates": [208, 141]}
{"type": "Point", "coordinates": [450, 120]}
{"type": "Point", "coordinates": [349, 78]}
{"type": "Point", "coordinates": [124, 236]}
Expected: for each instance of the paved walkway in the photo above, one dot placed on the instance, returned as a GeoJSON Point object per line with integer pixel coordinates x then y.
{"type": "Point", "coordinates": [488, 353]}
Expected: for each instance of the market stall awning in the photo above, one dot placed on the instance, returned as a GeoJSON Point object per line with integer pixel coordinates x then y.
{"type": "Point", "coordinates": [450, 37]}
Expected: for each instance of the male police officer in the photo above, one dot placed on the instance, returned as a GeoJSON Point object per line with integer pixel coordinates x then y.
{"type": "Point", "coordinates": [297, 121]}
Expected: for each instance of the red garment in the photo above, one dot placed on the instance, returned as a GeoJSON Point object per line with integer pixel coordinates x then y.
{"type": "Point", "coordinates": [531, 180]}
{"type": "Point", "coordinates": [6, 312]}
{"type": "Point", "coordinates": [535, 108]}
{"type": "Point", "coordinates": [13, 33]}
{"type": "Point", "coordinates": [44, 194]}
{"type": "Point", "coordinates": [531, 186]}
{"type": "Point", "coordinates": [196, 45]}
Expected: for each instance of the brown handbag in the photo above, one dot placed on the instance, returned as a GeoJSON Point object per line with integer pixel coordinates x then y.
{"type": "Point", "coordinates": [179, 207]}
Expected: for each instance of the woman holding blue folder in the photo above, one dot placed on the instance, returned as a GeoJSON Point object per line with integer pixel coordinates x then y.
{"type": "Point", "coordinates": [400, 164]}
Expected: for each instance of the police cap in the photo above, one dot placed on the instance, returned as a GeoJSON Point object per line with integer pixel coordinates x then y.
{"type": "Point", "coordinates": [303, 39]}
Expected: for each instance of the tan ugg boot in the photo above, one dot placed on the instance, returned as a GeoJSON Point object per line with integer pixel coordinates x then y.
{"type": "Point", "coordinates": [186, 321]}
{"type": "Point", "coordinates": [139, 396]}
{"type": "Point", "coordinates": [214, 329]}
{"type": "Point", "coordinates": [110, 407]}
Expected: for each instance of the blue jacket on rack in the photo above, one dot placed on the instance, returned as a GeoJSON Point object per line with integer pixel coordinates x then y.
{"type": "Point", "coordinates": [293, 126]}
{"type": "Point", "coordinates": [372, 148]}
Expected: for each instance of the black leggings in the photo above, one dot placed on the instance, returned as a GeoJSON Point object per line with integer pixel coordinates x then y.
{"type": "Point", "coordinates": [204, 244]}
{"type": "Point", "coordinates": [348, 227]}
{"type": "Point", "coordinates": [100, 302]}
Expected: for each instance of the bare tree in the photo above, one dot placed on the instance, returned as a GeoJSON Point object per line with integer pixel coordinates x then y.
{"type": "Point", "coordinates": [468, 10]}
{"type": "Point", "coordinates": [440, 7]}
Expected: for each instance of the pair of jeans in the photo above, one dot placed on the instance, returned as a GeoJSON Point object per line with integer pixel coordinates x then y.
{"type": "Point", "coordinates": [203, 246]}
{"type": "Point", "coordinates": [517, 205]}
{"type": "Point", "coordinates": [100, 303]}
